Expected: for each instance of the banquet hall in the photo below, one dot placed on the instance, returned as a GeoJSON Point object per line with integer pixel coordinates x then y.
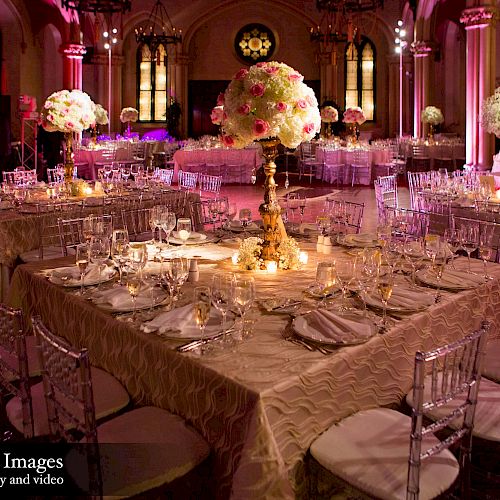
{"type": "Point", "coordinates": [250, 250]}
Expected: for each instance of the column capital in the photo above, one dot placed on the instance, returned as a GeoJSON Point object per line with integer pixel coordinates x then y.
{"type": "Point", "coordinates": [479, 17]}
{"type": "Point", "coordinates": [421, 48]}
{"type": "Point", "coordinates": [73, 50]}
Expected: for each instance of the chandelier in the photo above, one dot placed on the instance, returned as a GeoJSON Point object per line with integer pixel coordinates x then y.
{"type": "Point", "coordinates": [339, 24]}
{"type": "Point", "coordinates": [98, 6]}
{"type": "Point", "coordinates": [147, 32]}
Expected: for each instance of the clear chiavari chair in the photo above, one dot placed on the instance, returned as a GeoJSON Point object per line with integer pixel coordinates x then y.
{"type": "Point", "coordinates": [371, 444]}
{"type": "Point", "coordinates": [187, 181]}
{"type": "Point", "coordinates": [386, 194]}
{"type": "Point", "coordinates": [165, 175]}
{"type": "Point", "coordinates": [351, 213]}
{"type": "Point", "coordinates": [137, 223]}
{"type": "Point", "coordinates": [209, 185]}
{"type": "Point", "coordinates": [360, 166]}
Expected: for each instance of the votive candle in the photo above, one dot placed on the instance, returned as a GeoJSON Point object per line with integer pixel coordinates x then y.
{"type": "Point", "coordinates": [303, 257]}
{"type": "Point", "coordinates": [234, 258]}
{"type": "Point", "coordinates": [272, 266]}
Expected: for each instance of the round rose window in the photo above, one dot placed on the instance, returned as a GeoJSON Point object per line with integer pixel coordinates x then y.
{"type": "Point", "coordinates": [254, 43]}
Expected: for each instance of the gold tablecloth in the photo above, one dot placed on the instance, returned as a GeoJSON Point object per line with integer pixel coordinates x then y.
{"type": "Point", "coordinates": [261, 405]}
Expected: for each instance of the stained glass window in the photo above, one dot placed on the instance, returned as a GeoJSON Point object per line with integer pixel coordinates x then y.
{"type": "Point", "coordinates": [360, 77]}
{"type": "Point", "coordinates": [152, 82]}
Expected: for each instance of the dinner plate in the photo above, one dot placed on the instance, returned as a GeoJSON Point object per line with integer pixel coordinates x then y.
{"type": "Point", "coordinates": [160, 299]}
{"type": "Point", "coordinates": [314, 291]}
{"type": "Point", "coordinates": [362, 240]}
{"type": "Point", "coordinates": [194, 239]}
{"type": "Point", "coordinates": [426, 300]}
{"type": "Point", "coordinates": [59, 279]}
{"type": "Point", "coordinates": [304, 330]}
{"type": "Point", "coordinates": [451, 280]}
{"type": "Point", "coordinates": [192, 331]}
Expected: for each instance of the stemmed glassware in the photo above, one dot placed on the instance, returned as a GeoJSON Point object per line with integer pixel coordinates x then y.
{"type": "Point", "coordinates": [326, 278]}
{"type": "Point", "coordinates": [202, 305]}
{"type": "Point", "coordinates": [119, 250]}
{"type": "Point", "coordinates": [487, 251]}
{"type": "Point", "coordinates": [245, 217]}
{"type": "Point", "coordinates": [244, 295]}
{"type": "Point", "coordinates": [344, 272]}
{"type": "Point", "coordinates": [222, 295]}
{"type": "Point", "coordinates": [292, 204]}
{"type": "Point", "coordinates": [99, 253]}
{"type": "Point", "coordinates": [184, 229]}
{"type": "Point", "coordinates": [439, 264]}
{"type": "Point", "coordinates": [414, 253]}
{"type": "Point", "coordinates": [302, 207]}
{"type": "Point", "coordinates": [168, 224]}
{"type": "Point", "coordinates": [385, 284]}
{"type": "Point", "coordinates": [82, 261]}
{"type": "Point", "coordinates": [134, 285]}
{"type": "Point", "coordinates": [155, 220]}
{"type": "Point", "coordinates": [88, 227]}
{"type": "Point", "coordinates": [213, 209]}
{"type": "Point", "coordinates": [138, 257]}
{"type": "Point", "coordinates": [453, 240]}
{"type": "Point", "coordinates": [469, 238]}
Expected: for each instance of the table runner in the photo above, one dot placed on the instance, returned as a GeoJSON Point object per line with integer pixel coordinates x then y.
{"type": "Point", "coordinates": [261, 406]}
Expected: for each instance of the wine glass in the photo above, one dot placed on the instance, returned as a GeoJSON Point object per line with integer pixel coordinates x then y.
{"type": "Point", "coordinates": [439, 264]}
{"type": "Point", "coordinates": [213, 210]}
{"type": "Point", "coordinates": [184, 229]}
{"type": "Point", "coordinates": [487, 251]}
{"type": "Point", "coordinates": [292, 204]}
{"type": "Point", "coordinates": [138, 257]}
{"type": "Point", "coordinates": [168, 224]}
{"type": "Point", "coordinates": [244, 295]}
{"type": "Point", "coordinates": [155, 220]}
{"type": "Point", "coordinates": [432, 243]}
{"type": "Point", "coordinates": [385, 284]}
{"type": "Point", "coordinates": [302, 207]}
{"type": "Point", "coordinates": [344, 272]}
{"type": "Point", "coordinates": [134, 285]}
{"type": "Point", "coordinates": [414, 253]}
{"type": "Point", "coordinates": [82, 261]}
{"type": "Point", "coordinates": [88, 227]}
{"type": "Point", "coordinates": [245, 217]}
{"type": "Point", "coordinates": [453, 240]}
{"type": "Point", "coordinates": [222, 295]}
{"type": "Point", "coordinates": [119, 250]}
{"type": "Point", "coordinates": [325, 280]}
{"type": "Point", "coordinates": [99, 252]}
{"type": "Point", "coordinates": [202, 304]}
{"type": "Point", "coordinates": [469, 238]}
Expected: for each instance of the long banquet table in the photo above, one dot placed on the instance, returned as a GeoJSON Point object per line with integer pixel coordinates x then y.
{"type": "Point", "coordinates": [261, 404]}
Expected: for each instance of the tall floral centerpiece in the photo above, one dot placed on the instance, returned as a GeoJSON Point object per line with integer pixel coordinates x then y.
{"type": "Point", "coordinates": [68, 111]}
{"type": "Point", "coordinates": [128, 115]}
{"type": "Point", "coordinates": [354, 117]}
{"type": "Point", "coordinates": [490, 119]}
{"type": "Point", "coordinates": [329, 115]}
{"type": "Point", "coordinates": [101, 118]}
{"type": "Point", "coordinates": [217, 115]}
{"type": "Point", "coordinates": [433, 116]}
{"type": "Point", "coordinates": [269, 103]}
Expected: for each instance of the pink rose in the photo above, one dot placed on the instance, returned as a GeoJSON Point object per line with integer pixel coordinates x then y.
{"type": "Point", "coordinates": [302, 104]}
{"type": "Point", "coordinates": [242, 73]}
{"type": "Point", "coordinates": [272, 70]}
{"type": "Point", "coordinates": [217, 115]}
{"type": "Point", "coordinates": [260, 127]}
{"type": "Point", "coordinates": [295, 77]}
{"type": "Point", "coordinates": [220, 99]}
{"type": "Point", "coordinates": [309, 128]}
{"type": "Point", "coordinates": [244, 109]}
{"type": "Point", "coordinates": [281, 106]}
{"type": "Point", "coordinates": [261, 64]}
{"type": "Point", "coordinates": [310, 100]}
{"type": "Point", "coordinates": [258, 89]}
{"type": "Point", "coordinates": [70, 124]}
{"type": "Point", "coordinates": [228, 141]}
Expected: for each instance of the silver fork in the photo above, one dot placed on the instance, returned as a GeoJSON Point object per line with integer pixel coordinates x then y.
{"type": "Point", "coordinates": [289, 335]}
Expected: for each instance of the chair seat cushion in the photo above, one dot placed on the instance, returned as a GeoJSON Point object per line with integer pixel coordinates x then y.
{"type": "Point", "coordinates": [156, 447]}
{"type": "Point", "coordinates": [487, 417]}
{"type": "Point", "coordinates": [109, 397]}
{"type": "Point", "coordinates": [370, 451]}
{"type": "Point", "coordinates": [491, 362]}
{"type": "Point", "coordinates": [34, 368]}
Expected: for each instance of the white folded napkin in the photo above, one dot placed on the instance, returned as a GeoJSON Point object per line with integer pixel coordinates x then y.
{"type": "Point", "coordinates": [405, 298]}
{"type": "Point", "coordinates": [337, 328]}
{"type": "Point", "coordinates": [175, 319]}
{"type": "Point", "coordinates": [308, 227]}
{"type": "Point", "coordinates": [362, 238]}
{"type": "Point", "coordinates": [193, 235]}
{"type": "Point", "coordinates": [459, 278]}
{"type": "Point", "coordinates": [71, 275]}
{"type": "Point", "coordinates": [119, 298]}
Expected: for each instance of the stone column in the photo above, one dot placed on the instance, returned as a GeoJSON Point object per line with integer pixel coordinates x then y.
{"type": "Point", "coordinates": [480, 82]}
{"type": "Point", "coordinates": [101, 62]}
{"type": "Point", "coordinates": [421, 52]}
{"type": "Point", "coordinates": [179, 89]}
{"type": "Point", "coordinates": [72, 65]}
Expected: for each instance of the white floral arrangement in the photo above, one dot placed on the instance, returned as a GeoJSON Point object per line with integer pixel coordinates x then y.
{"type": "Point", "coordinates": [432, 115]}
{"type": "Point", "coordinates": [217, 115]}
{"type": "Point", "coordinates": [354, 115]}
{"type": "Point", "coordinates": [289, 252]}
{"type": "Point", "coordinates": [269, 100]}
{"type": "Point", "coordinates": [249, 254]}
{"type": "Point", "coordinates": [329, 114]}
{"type": "Point", "coordinates": [129, 115]}
{"type": "Point", "coordinates": [101, 115]}
{"type": "Point", "coordinates": [490, 113]}
{"type": "Point", "coordinates": [68, 111]}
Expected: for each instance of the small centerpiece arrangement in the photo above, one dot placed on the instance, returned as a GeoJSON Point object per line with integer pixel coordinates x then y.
{"type": "Point", "coordinates": [128, 115]}
{"type": "Point", "coordinates": [433, 116]}
{"type": "Point", "coordinates": [269, 103]}
{"type": "Point", "coordinates": [68, 111]}
{"type": "Point", "coordinates": [353, 117]}
{"type": "Point", "coordinates": [101, 118]}
{"type": "Point", "coordinates": [490, 117]}
{"type": "Point", "coordinates": [329, 115]}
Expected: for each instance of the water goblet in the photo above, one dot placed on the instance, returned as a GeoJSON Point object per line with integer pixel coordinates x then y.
{"type": "Point", "coordinates": [414, 254]}
{"type": "Point", "coordinates": [326, 279]}
{"type": "Point", "coordinates": [244, 295]}
{"type": "Point", "coordinates": [487, 251]}
{"type": "Point", "coordinates": [82, 261]}
{"type": "Point", "coordinates": [344, 272]}
{"type": "Point", "coordinates": [138, 257]}
{"type": "Point", "coordinates": [469, 238]}
{"type": "Point", "coordinates": [213, 210]}
{"type": "Point", "coordinates": [385, 284]}
{"type": "Point", "coordinates": [119, 250]}
{"type": "Point", "coordinates": [202, 304]}
{"type": "Point", "coordinates": [168, 224]}
{"type": "Point", "coordinates": [222, 296]}
{"type": "Point", "coordinates": [453, 240]}
{"type": "Point", "coordinates": [99, 253]}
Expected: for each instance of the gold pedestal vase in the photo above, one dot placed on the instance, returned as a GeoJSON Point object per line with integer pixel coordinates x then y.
{"type": "Point", "coordinates": [430, 134]}
{"type": "Point", "coordinates": [69, 158]}
{"type": "Point", "coordinates": [352, 133]}
{"type": "Point", "coordinates": [270, 210]}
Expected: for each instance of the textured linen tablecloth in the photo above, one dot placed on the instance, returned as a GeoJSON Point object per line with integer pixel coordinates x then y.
{"type": "Point", "coordinates": [261, 405]}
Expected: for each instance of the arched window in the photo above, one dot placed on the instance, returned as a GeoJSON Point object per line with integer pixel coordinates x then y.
{"type": "Point", "coordinates": [360, 77]}
{"type": "Point", "coordinates": [152, 83]}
